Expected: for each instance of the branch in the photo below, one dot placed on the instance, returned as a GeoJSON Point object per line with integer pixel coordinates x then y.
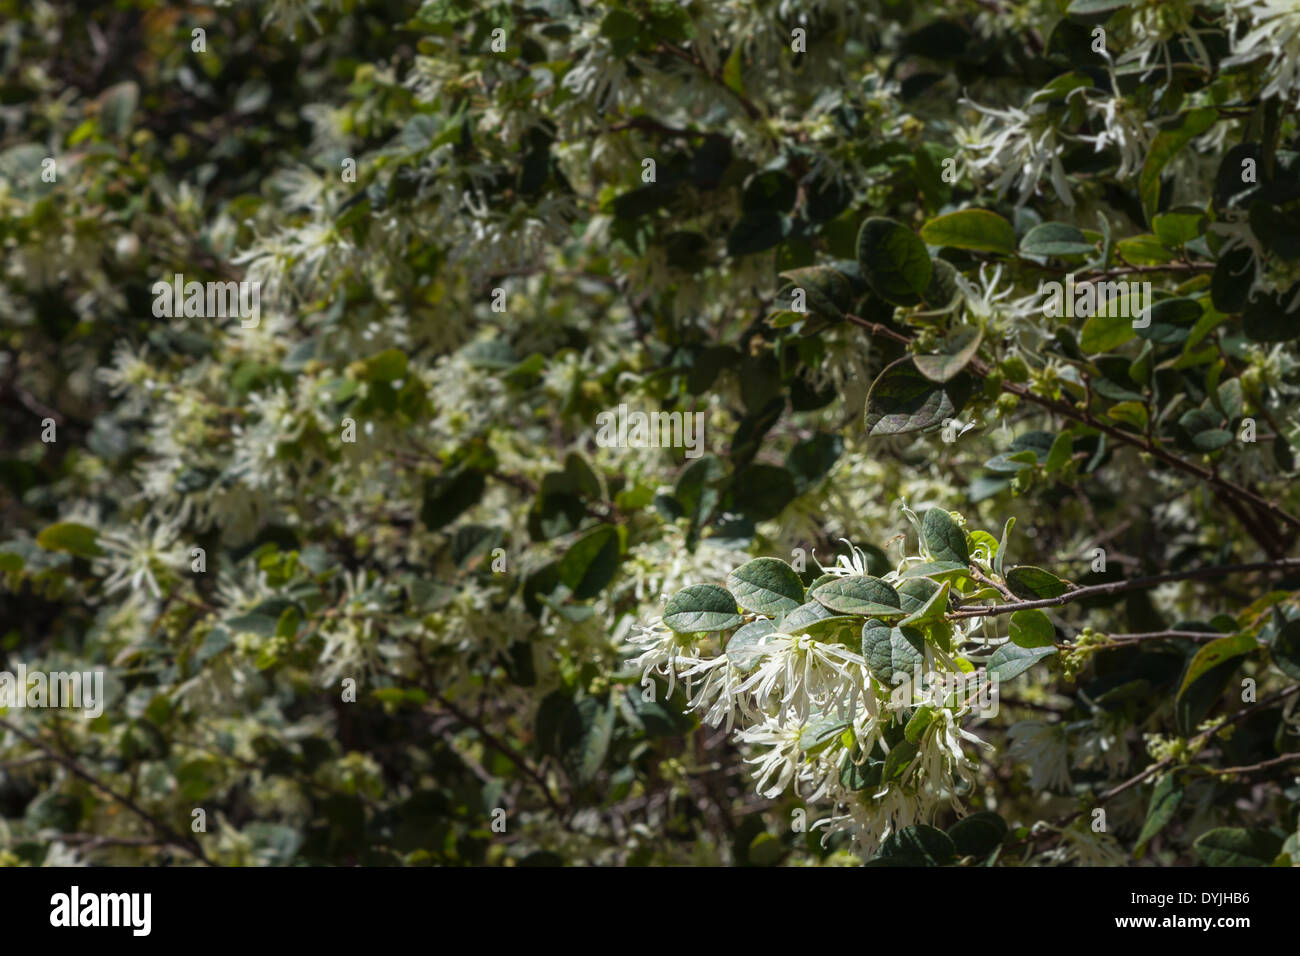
{"type": "Point", "coordinates": [1128, 640]}
{"type": "Point", "coordinates": [1262, 765]}
{"type": "Point", "coordinates": [1201, 741]}
{"type": "Point", "coordinates": [170, 836]}
{"type": "Point", "coordinates": [751, 110]}
{"type": "Point", "coordinates": [1115, 587]}
{"type": "Point", "coordinates": [506, 750]}
{"type": "Point", "coordinates": [1085, 417]}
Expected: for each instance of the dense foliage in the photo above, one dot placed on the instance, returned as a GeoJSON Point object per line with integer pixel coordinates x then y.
{"type": "Point", "coordinates": [972, 326]}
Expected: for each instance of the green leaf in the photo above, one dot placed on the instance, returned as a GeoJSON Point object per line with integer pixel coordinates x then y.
{"type": "Point", "coordinates": [585, 731]}
{"type": "Point", "coordinates": [918, 722]}
{"type": "Point", "coordinates": [1214, 653]}
{"type": "Point", "coordinates": [1276, 230]}
{"type": "Point", "coordinates": [1103, 333]}
{"type": "Point", "coordinates": [958, 350]}
{"type": "Point", "coordinates": [1010, 661]}
{"type": "Point", "coordinates": [1265, 318]}
{"type": "Point", "coordinates": [1130, 413]}
{"type": "Point", "coordinates": [828, 290]}
{"type": "Point", "coordinates": [1034, 584]}
{"type": "Point", "coordinates": [1056, 239]}
{"type": "Point", "coordinates": [1165, 799]}
{"type": "Point", "coordinates": [757, 231]}
{"type": "Point", "coordinates": [893, 261]}
{"type": "Point", "coordinates": [814, 618]}
{"type": "Point", "coordinates": [891, 650]}
{"type": "Point", "coordinates": [117, 107]}
{"type": "Point", "coordinates": [1168, 142]}
{"type": "Point", "coordinates": [919, 845]}
{"type": "Point", "coordinates": [1086, 7]}
{"type": "Point", "coordinates": [1058, 456]}
{"type": "Point", "coordinates": [1238, 846]}
{"type": "Point", "coordinates": [766, 586]}
{"type": "Point", "coordinates": [859, 594]}
{"type": "Point", "coordinates": [975, 229]}
{"type": "Point", "coordinates": [745, 648]}
{"type": "Point", "coordinates": [943, 538]}
{"type": "Point", "coordinates": [1145, 250]}
{"type": "Point", "coordinates": [816, 735]}
{"type": "Point", "coordinates": [1171, 321]}
{"type": "Point", "coordinates": [978, 834]}
{"type": "Point", "coordinates": [933, 609]}
{"type": "Point", "coordinates": [902, 400]}
{"type": "Point", "coordinates": [69, 536]}
{"type": "Point", "coordinates": [772, 189]}
{"type": "Point", "coordinates": [899, 759]}
{"type": "Point", "coordinates": [262, 620]}
{"type": "Point", "coordinates": [761, 491]}
{"type": "Point", "coordinates": [731, 70]}
{"type": "Point", "coordinates": [1207, 675]}
{"type": "Point", "coordinates": [943, 290]}
{"type": "Point", "coordinates": [449, 495]}
{"type": "Point", "coordinates": [591, 561]}
{"type": "Point", "coordinates": [859, 776]}
{"type": "Point", "coordinates": [811, 459]}
{"type": "Point", "coordinates": [1002, 546]}
{"type": "Point", "coordinates": [1179, 228]}
{"type": "Point", "coordinates": [701, 607]}
{"type": "Point", "coordinates": [386, 366]}
{"type": "Point", "coordinates": [1194, 702]}
{"type": "Point", "coordinates": [766, 849]}
{"type": "Point", "coordinates": [1061, 87]}
{"type": "Point", "coordinates": [1234, 275]}
{"type": "Point", "coordinates": [938, 570]}
{"type": "Point", "coordinates": [1032, 628]}
{"type": "Point", "coordinates": [1285, 649]}
{"type": "Point", "coordinates": [915, 593]}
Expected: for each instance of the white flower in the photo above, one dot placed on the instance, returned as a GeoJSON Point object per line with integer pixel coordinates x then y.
{"type": "Point", "coordinates": [663, 651]}
{"type": "Point", "coordinates": [136, 554]}
{"type": "Point", "coordinates": [1101, 744]}
{"type": "Point", "coordinates": [852, 564]}
{"type": "Point", "coordinates": [941, 764]}
{"type": "Point", "coordinates": [1235, 225]}
{"type": "Point", "coordinates": [1156, 25]}
{"type": "Point", "coordinates": [776, 766]}
{"type": "Point", "coordinates": [1126, 127]}
{"type": "Point", "coordinates": [130, 369]}
{"type": "Point", "coordinates": [803, 674]}
{"type": "Point", "coordinates": [1274, 32]}
{"type": "Point", "coordinates": [720, 696]}
{"type": "Point", "coordinates": [1045, 748]}
{"type": "Point", "coordinates": [983, 301]}
{"type": "Point", "coordinates": [1024, 148]}
{"type": "Point", "coordinates": [1081, 845]}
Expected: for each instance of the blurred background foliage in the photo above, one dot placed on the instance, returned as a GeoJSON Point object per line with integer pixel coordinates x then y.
{"type": "Point", "coordinates": [475, 562]}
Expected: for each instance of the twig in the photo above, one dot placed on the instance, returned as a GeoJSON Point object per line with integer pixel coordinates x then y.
{"type": "Point", "coordinates": [171, 836]}
{"type": "Point", "coordinates": [1085, 417]}
{"type": "Point", "coordinates": [1115, 587]}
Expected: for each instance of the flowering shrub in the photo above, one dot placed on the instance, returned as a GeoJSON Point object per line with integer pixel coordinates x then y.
{"type": "Point", "coordinates": [424, 418]}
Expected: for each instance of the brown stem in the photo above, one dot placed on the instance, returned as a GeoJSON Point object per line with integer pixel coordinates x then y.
{"type": "Point", "coordinates": [1085, 417]}
{"type": "Point", "coordinates": [168, 835]}
{"type": "Point", "coordinates": [1115, 587]}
